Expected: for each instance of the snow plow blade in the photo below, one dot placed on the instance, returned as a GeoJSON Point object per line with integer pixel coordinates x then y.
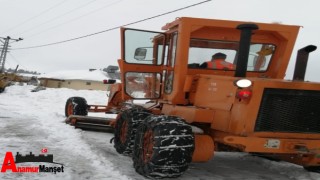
{"type": "Point", "coordinates": [91, 123]}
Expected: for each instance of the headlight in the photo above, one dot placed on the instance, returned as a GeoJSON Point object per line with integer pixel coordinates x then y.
{"type": "Point", "coordinates": [243, 83]}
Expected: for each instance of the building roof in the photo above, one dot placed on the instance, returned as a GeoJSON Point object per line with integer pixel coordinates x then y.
{"type": "Point", "coordinates": [91, 75]}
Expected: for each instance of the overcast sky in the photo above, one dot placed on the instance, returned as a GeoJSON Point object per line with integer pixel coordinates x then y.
{"type": "Point", "coordinates": [41, 22]}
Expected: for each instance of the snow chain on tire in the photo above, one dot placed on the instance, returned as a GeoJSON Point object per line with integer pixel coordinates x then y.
{"type": "Point", "coordinates": [78, 106]}
{"type": "Point", "coordinates": [126, 127]}
{"type": "Point", "coordinates": [163, 147]}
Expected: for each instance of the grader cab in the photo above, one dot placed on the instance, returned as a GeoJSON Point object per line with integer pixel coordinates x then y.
{"type": "Point", "coordinates": [195, 110]}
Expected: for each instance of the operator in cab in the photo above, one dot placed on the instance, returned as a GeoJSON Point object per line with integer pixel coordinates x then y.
{"type": "Point", "coordinates": [218, 61]}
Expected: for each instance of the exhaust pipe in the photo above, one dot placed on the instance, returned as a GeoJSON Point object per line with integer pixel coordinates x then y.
{"type": "Point", "coordinates": [302, 62]}
{"type": "Point", "coordinates": [244, 47]}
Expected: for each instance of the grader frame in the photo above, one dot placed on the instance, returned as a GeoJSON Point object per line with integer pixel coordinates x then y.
{"type": "Point", "coordinates": [194, 111]}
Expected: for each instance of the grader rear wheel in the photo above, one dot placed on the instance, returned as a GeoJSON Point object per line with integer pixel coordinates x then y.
{"type": "Point", "coordinates": [163, 147]}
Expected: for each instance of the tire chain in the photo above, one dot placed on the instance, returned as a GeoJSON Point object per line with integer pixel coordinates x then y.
{"type": "Point", "coordinates": [134, 118]}
{"type": "Point", "coordinates": [173, 147]}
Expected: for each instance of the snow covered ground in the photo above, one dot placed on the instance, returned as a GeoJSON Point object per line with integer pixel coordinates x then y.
{"type": "Point", "coordinates": [30, 121]}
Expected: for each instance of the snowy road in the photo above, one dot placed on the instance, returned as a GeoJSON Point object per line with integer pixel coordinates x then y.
{"type": "Point", "coordinates": [32, 121]}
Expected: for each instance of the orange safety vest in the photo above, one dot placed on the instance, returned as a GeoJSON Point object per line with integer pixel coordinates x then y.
{"type": "Point", "coordinates": [220, 64]}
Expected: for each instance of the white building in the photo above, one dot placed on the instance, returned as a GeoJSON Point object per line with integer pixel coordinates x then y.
{"type": "Point", "coordinates": [76, 79]}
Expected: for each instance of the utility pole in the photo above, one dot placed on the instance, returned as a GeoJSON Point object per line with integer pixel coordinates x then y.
{"type": "Point", "coordinates": [5, 50]}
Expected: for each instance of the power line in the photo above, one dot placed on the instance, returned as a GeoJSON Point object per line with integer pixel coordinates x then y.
{"type": "Point", "coordinates": [103, 31]}
{"type": "Point", "coordinates": [33, 17]}
{"type": "Point", "coordinates": [76, 18]}
{"type": "Point", "coordinates": [59, 16]}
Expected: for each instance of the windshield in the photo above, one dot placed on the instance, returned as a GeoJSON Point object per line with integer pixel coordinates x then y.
{"type": "Point", "coordinates": [143, 47]}
{"type": "Point", "coordinates": [222, 55]}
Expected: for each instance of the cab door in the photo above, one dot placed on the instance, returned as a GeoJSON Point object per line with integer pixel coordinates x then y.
{"type": "Point", "coordinates": [141, 63]}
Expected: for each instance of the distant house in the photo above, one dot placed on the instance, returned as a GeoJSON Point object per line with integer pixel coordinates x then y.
{"type": "Point", "coordinates": [30, 79]}
{"type": "Point", "coordinates": [76, 79]}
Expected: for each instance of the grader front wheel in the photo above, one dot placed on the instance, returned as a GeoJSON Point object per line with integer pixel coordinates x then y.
{"type": "Point", "coordinates": [76, 106]}
{"type": "Point", "coordinates": [126, 127]}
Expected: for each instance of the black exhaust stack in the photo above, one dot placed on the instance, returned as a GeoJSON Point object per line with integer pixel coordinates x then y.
{"type": "Point", "coordinates": [244, 47]}
{"type": "Point", "coordinates": [302, 62]}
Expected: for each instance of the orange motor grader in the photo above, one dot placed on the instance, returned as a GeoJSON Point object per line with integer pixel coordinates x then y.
{"type": "Point", "coordinates": [194, 111]}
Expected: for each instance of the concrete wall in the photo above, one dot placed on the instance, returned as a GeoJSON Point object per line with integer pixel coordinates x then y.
{"type": "Point", "coordinates": [74, 84]}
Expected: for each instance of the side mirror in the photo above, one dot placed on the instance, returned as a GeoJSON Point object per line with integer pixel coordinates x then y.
{"type": "Point", "coordinates": [140, 54]}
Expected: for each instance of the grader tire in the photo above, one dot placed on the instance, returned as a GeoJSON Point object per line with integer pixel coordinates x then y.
{"type": "Point", "coordinates": [126, 127]}
{"type": "Point", "coordinates": [76, 106]}
{"type": "Point", "coordinates": [163, 147]}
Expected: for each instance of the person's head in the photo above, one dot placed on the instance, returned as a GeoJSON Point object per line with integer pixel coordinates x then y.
{"type": "Point", "coordinates": [218, 55]}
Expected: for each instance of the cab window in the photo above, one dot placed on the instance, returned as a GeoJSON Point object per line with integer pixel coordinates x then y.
{"type": "Point", "coordinates": [202, 52]}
